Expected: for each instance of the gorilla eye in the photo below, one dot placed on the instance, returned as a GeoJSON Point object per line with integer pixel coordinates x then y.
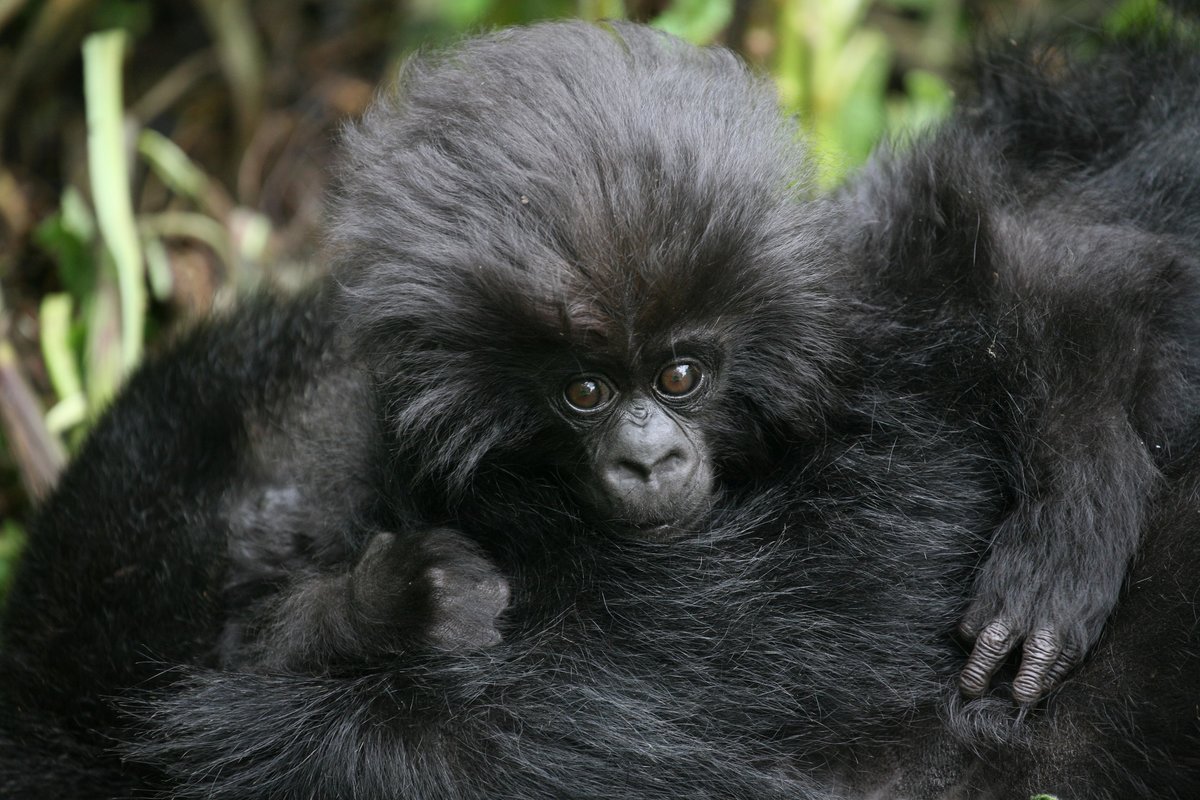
{"type": "Point", "coordinates": [679, 380]}
{"type": "Point", "coordinates": [587, 394]}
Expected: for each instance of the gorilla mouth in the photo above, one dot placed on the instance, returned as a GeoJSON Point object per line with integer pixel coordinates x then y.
{"type": "Point", "coordinates": [659, 528]}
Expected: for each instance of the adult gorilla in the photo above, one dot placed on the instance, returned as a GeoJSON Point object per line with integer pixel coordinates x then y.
{"type": "Point", "coordinates": [607, 465]}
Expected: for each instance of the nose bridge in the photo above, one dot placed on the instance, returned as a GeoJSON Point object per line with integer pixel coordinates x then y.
{"type": "Point", "coordinates": [639, 411]}
{"type": "Point", "coordinates": [648, 436]}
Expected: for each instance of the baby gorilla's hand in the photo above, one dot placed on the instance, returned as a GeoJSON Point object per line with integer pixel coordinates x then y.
{"type": "Point", "coordinates": [1048, 610]}
{"type": "Point", "coordinates": [1047, 654]}
{"type": "Point", "coordinates": [433, 586]}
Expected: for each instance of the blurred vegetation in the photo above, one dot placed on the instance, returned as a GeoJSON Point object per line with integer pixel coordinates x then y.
{"type": "Point", "coordinates": [157, 159]}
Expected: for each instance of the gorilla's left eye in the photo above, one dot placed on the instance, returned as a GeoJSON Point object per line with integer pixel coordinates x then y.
{"type": "Point", "coordinates": [587, 394]}
{"type": "Point", "coordinates": [679, 380]}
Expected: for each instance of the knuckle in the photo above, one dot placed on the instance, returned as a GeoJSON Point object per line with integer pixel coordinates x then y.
{"type": "Point", "coordinates": [1041, 646]}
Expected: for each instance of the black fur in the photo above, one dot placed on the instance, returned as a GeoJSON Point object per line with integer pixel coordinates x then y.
{"type": "Point", "coordinates": [1052, 232]}
{"type": "Point", "coordinates": [963, 384]}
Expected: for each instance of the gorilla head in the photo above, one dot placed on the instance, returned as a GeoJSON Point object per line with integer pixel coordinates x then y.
{"type": "Point", "coordinates": [597, 277]}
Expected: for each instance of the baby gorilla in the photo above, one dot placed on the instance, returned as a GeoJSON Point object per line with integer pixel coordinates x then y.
{"type": "Point", "coordinates": [642, 289]}
{"type": "Point", "coordinates": [610, 464]}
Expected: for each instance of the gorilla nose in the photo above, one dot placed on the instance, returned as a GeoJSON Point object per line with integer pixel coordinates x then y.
{"type": "Point", "coordinates": [656, 471]}
{"type": "Point", "coordinates": [649, 469]}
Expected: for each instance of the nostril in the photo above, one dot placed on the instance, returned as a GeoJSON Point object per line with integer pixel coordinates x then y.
{"type": "Point", "coordinates": [626, 470]}
{"type": "Point", "coordinates": [636, 472]}
{"type": "Point", "coordinates": [672, 462]}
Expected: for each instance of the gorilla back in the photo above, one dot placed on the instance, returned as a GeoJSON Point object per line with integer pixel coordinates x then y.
{"type": "Point", "coordinates": [610, 465]}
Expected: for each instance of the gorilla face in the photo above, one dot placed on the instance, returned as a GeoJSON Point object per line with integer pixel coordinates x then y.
{"type": "Point", "coordinates": [648, 462]}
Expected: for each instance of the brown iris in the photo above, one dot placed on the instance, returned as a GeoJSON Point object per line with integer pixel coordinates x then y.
{"type": "Point", "coordinates": [679, 380]}
{"type": "Point", "coordinates": [587, 394]}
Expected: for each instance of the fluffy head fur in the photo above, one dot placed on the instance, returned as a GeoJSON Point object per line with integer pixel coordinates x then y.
{"type": "Point", "coordinates": [615, 164]}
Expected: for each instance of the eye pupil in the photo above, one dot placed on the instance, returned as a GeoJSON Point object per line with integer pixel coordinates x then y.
{"type": "Point", "coordinates": [678, 379]}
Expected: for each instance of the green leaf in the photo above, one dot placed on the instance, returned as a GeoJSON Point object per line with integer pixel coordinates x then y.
{"type": "Point", "coordinates": [172, 165]}
{"type": "Point", "coordinates": [103, 347]}
{"type": "Point", "coordinates": [929, 100]}
{"type": "Point", "coordinates": [698, 21]}
{"type": "Point", "coordinates": [857, 115]}
{"type": "Point", "coordinates": [1131, 15]}
{"type": "Point", "coordinates": [456, 13]}
{"type": "Point", "coordinates": [158, 267]}
{"type": "Point", "coordinates": [108, 168]}
{"type": "Point", "coordinates": [62, 364]}
{"type": "Point", "coordinates": [915, 6]}
{"type": "Point", "coordinates": [66, 236]}
{"type": "Point", "coordinates": [203, 228]}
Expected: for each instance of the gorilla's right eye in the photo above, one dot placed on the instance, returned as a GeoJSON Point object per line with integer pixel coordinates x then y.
{"type": "Point", "coordinates": [679, 380]}
{"type": "Point", "coordinates": [587, 394]}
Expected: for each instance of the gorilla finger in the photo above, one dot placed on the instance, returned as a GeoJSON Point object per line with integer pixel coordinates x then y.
{"type": "Point", "coordinates": [1041, 652]}
{"type": "Point", "coordinates": [464, 596]}
{"type": "Point", "coordinates": [494, 594]}
{"type": "Point", "coordinates": [1067, 660]}
{"type": "Point", "coordinates": [462, 635]}
{"type": "Point", "coordinates": [974, 620]}
{"type": "Point", "coordinates": [992, 647]}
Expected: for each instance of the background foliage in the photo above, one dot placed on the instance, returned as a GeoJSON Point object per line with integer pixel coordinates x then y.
{"type": "Point", "coordinates": [159, 158]}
